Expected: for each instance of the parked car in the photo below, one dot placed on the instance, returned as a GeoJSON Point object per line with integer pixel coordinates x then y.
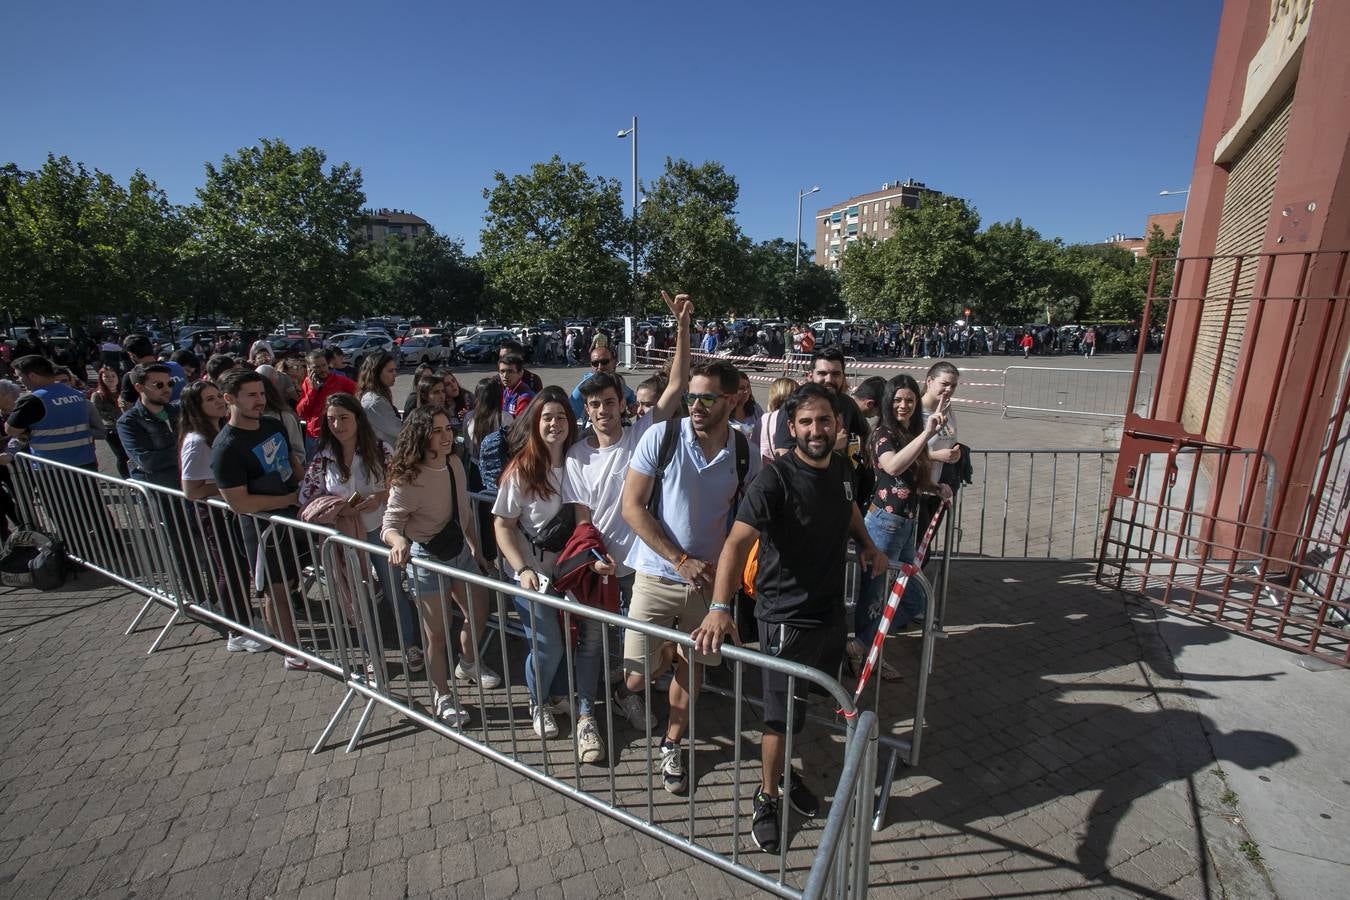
{"type": "Point", "coordinates": [482, 347]}
{"type": "Point", "coordinates": [432, 349]}
{"type": "Point", "coordinates": [284, 345]}
{"type": "Point", "coordinates": [357, 345]}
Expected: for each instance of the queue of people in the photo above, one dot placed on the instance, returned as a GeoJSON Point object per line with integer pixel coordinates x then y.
{"type": "Point", "coordinates": [644, 501]}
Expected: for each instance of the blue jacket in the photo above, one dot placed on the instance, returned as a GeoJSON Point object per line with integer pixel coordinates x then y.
{"type": "Point", "coordinates": [63, 435]}
{"type": "Point", "coordinates": [151, 444]}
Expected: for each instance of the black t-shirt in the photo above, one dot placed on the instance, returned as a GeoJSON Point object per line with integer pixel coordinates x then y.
{"type": "Point", "coordinates": [27, 412]}
{"type": "Point", "coordinates": [855, 423]}
{"type": "Point", "coordinates": [259, 459]}
{"type": "Point", "coordinates": [802, 514]}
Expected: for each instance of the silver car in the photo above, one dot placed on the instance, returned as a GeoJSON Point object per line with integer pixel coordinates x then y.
{"type": "Point", "coordinates": [424, 348]}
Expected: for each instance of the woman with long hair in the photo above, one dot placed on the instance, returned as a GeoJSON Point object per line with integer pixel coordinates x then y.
{"type": "Point", "coordinates": [779, 391]}
{"type": "Point", "coordinates": [745, 413]}
{"type": "Point", "coordinates": [431, 392]}
{"type": "Point", "coordinates": [428, 504]}
{"type": "Point", "coordinates": [898, 451]}
{"type": "Point", "coordinates": [458, 402]}
{"type": "Point", "coordinates": [352, 464]}
{"type": "Point", "coordinates": [530, 517]}
{"type": "Point", "coordinates": [104, 398]}
{"type": "Point", "coordinates": [375, 388]}
{"type": "Point", "coordinates": [485, 437]}
{"type": "Point", "coordinates": [201, 414]}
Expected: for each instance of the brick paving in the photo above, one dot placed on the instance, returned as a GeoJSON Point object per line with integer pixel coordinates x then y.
{"type": "Point", "coordinates": [1061, 754]}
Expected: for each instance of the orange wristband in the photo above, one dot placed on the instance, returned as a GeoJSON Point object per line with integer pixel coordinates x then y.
{"type": "Point", "coordinates": [684, 558]}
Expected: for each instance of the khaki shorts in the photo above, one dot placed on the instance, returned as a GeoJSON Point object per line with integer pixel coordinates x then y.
{"type": "Point", "coordinates": [672, 604]}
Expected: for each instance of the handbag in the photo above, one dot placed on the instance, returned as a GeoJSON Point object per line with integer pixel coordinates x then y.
{"type": "Point", "coordinates": [552, 536]}
{"type": "Point", "coordinates": [447, 543]}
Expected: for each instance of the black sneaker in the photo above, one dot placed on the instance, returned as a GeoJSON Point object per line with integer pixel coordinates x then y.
{"type": "Point", "coordinates": [764, 823]}
{"type": "Point", "coordinates": [801, 798]}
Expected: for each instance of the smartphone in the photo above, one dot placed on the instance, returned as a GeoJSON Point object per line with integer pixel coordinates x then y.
{"type": "Point", "coordinates": [355, 499]}
{"type": "Point", "coordinates": [544, 582]}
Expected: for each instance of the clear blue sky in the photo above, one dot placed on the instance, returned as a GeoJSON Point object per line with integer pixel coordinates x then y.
{"type": "Point", "coordinates": [1071, 114]}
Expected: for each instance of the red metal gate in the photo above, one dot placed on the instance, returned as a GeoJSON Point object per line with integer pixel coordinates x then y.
{"type": "Point", "coordinates": [1230, 498]}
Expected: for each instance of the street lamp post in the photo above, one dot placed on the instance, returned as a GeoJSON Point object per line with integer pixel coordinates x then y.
{"type": "Point", "coordinates": [631, 132]}
{"type": "Point", "coordinates": [801, 195]}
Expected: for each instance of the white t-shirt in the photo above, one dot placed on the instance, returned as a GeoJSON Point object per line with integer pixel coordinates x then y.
{"type": "Point", "coordinates": [360, 482]}
{"type": "Point", "coordinates": [594, 478]}
{"type": "Point", "coordinates": [514, 503]}
{"type": "Point", "coordinates": [195, 459]}
{"type": "Point", "coordinates": [945, 439]}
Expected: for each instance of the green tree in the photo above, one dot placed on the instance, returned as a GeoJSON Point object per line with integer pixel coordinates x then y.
{"type": "Point", "coordinates": [777, 287]}
{"type": "Point", "coordinates": [1105, 280]}
{"type": "Point", "coordinates": [690, 239]}
{"type": "Point", "coordinates": [1021, 274]}
{"type": "Point", "coordinates": [78, 244]}
{"type": "Point", "coordinates": [865, 283]}
{"type": "Point", "coordinates": [278, 233]}
{"type": "Point", "coordinates": [930, 258]}
{"type": "Point", "coordinates": [551, 242]}
{"type": "Point", "coordinates": [1162, 249]}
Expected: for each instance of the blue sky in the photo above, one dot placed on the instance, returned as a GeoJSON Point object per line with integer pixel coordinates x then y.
{"type": "Point", "coordinates": [1071, 115]}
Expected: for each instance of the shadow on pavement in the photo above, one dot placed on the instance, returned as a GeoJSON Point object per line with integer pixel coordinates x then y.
{"type": "Point", "coordinates": [1046, 739]}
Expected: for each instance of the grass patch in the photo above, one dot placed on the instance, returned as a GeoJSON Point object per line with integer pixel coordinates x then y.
{"type": "Point", "coordinates": [1251, 851]}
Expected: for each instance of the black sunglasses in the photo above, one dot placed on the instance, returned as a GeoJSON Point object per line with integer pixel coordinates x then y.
{"type": "Point", "coordinates": [597, 363]}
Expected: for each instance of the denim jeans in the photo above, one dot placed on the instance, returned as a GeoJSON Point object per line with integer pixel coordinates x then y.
{"type": "Point", "coordinates": [894, 536]}
{"type": "Point", "coordinates": [392, 586]}
{"type": "Point", "coordinates": [548, 654]}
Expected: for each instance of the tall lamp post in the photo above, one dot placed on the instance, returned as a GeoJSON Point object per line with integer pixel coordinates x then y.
{"type": "Point", "coordinates": [631, 132]}
{"type": "Point", "coordinates": [1184, 208]}
{"type": "Point", "coordinates": [801, 195]}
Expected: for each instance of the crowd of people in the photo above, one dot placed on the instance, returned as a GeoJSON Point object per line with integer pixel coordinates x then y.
{"type": "Point", "coordinates": [645, 500]}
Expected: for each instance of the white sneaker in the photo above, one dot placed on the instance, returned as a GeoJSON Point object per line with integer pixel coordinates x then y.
{"type": "Point", "coordinates": [590, 746]}
{"type": "Point", "coordinates": [635, 710]}
{"type": "Point", "coordinates": [448, 711]}
{"type": "Point", "coordinates": [242, 643]}
{"type": "Point", "coordinates": [544, 724]}
{"type": "Point", "coordinates": [479, 672]}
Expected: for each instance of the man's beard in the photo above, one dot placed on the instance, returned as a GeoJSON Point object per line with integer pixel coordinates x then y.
{"type": "Point", "coordinates": [804, 445]}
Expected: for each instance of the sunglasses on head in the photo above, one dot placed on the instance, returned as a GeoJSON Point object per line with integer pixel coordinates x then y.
{"type": "Point", "coordinates": [706, 399]}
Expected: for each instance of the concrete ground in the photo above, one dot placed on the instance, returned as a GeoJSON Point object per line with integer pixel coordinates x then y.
{"type": "Point", "coordinates": [1077, 740]}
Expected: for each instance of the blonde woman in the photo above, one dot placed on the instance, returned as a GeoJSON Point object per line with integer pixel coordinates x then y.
{"type": "Point", "coordinates": [779, 391]}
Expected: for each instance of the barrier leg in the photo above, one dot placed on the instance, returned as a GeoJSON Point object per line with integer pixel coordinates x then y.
{"type": "Point", "coordinates": [163, 632]}
{"type": "Point", "coordinates": [332, 723]}
{"type": "Point", "coordinates": [140, 615]}
{"type": "Point", "coordinates": [884, 794]}
{"type": "Point", "coordinates": [361, 724]}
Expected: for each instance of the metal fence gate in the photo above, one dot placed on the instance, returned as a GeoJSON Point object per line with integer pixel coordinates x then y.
{"type": "Point", "coordinates": [1215, 510]}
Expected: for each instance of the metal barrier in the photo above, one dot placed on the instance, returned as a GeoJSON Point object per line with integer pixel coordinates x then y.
{"type": "Point", "coordinates": [1103, 393]}
{"type": "Point", "coordinates": [1033, 504]}
{"type": "Point", "coordinates": [1052, 504]}
{"type": "Point", "coordinates": [321, 599]}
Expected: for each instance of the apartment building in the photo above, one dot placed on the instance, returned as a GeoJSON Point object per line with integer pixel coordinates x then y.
{"type": "Point", "coordinates": [380, 223]}
{"type": "Point", "coordinates": [866, 214]}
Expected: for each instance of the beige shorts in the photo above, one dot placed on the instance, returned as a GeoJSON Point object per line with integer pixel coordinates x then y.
{"type": "Point", "coordinates": [672, 604]}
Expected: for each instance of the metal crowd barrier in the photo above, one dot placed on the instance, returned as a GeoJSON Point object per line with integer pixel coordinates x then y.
{"type": "Point", "coordinates": [1104, 393]}
{"type": "Point", "coordinates": [1052, 504]}
{"type": "Point", "coordinates": [193, 558]}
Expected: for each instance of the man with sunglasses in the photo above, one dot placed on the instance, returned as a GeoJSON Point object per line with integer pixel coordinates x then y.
{"type": "Point", "coordinates": [149, 430]}
{"type": "Point", "coordinates": [602, 360]}
{"type": "Point", "coordinates": [701, 478]}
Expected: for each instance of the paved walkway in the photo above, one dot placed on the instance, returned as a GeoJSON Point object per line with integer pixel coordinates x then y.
{"type": "Point", "coordinates": [1065, 751]}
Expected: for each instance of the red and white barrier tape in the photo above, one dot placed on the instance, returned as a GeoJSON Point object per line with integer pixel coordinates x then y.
{"type": "Point", "coordinates": [893, 602]}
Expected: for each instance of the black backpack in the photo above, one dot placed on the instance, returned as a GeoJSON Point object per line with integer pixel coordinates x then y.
{"type": "Point", "coordinates": [33, 559]}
